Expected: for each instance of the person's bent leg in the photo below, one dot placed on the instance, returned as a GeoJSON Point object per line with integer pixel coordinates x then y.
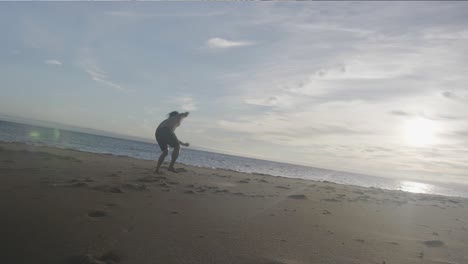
{"type": "Point", "coordinates": [175, 154]}
{"type": "Point", "coordinates": [161, 159]}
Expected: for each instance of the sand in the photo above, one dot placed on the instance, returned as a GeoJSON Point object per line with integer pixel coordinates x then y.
{"type": "Point", "coordinates": [66, 206]}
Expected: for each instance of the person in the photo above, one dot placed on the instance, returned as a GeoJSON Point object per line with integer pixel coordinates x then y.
{"type": "Point", "coordinates": [165, 137]}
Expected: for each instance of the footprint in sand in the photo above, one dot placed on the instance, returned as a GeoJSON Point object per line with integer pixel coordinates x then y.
{"type": "Point", "coordinates": [331, 200]}
{"type": "Point", "coordinates": [110, 257]}
{"type": "Point", "coordinates": [107, 188]}
{"type": "Point", "coordinates": [79, 184]}
{"type": "Point", "coordinates": [257, 196]}
{"type": "Point", "coordinates": [151, 179]}
{"type": "Point", "coordinates": [243, 181]}
{"type": "Point", "coordinates": [115, 190]}
{"type": "Point", "coordinates": [84, 259]}
{"type": "Point", "coordinates": [135, 187]}
{"type": "Point", "coordinates": [178, 170]}
{"type": "Point", "coordinates": [282, 187]}
{"type": "Point", "coordinates": [97, 213]}
{"type": "Point", "coordinates": [298, 196]}
{"type": "Point", "coordinates": [434, 243]}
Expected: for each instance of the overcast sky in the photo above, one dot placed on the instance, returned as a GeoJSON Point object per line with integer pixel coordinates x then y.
{"type": "Point", "coordinates": [372, 87]}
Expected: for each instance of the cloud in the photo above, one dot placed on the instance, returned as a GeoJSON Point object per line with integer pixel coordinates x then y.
{"type": "Point", "coordinates": [186, 103]}
{"type": "Point", "coordinates": [147, 15]}
{"type": "Point", "coordinates": [220, 43]}
{"type": "Point", "coordinates": [448, 94]}
{"type": "Point", "coordinates": [128, 14]}
{"type": "Point", "coordinates": [442, 34]}
{"type": "Point", "coordinates": [98, 75]}
{"type": "Point", "coordinates": [448, 117]}
{"type": "Point", "coordinates": [278, 101]}
{"type": "Point", "coordinates": [291, 129]}
{"type": "Point", "coordinates": [400, 113]}
{"type": "Point", "coordinates": [101, 77]}
{"type": "Point", "coordinates": [461, 133]}
{"type": "Point", "coordinates": [151, 110]}
{"type": "Point", "coordinates": [53, 62]}
{"type": "Point", "coordinates": [435, 117]}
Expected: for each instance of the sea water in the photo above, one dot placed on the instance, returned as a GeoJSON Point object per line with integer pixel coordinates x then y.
{"type": "Point", "coordinates": [38, 135]}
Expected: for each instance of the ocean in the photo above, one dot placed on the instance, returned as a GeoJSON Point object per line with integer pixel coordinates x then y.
{"type": "Point", "coordinates": [38, 135]}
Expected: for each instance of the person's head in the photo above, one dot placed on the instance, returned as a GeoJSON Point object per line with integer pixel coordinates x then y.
{"type": "Point", "coordinates": [173, 113]}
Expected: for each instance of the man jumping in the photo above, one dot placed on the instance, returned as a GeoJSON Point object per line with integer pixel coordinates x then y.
{"type": "Point", "coordinates": [165, 136]}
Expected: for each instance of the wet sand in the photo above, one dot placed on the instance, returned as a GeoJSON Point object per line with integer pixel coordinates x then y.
{"type": "Point", "coordinates": [65, 206]}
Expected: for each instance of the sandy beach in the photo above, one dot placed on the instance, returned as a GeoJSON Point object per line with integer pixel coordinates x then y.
{"type": "Point", "coordinates": [66, 206]}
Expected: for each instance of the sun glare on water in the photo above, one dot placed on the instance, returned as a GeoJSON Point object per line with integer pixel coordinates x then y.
{"type": "Point", "coordinates": [415, 187]}
{"type": "Point", "coordinates": [420, 132]}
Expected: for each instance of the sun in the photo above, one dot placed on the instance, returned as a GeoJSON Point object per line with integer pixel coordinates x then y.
{"type": "Point", "coordinates": [420, 132]}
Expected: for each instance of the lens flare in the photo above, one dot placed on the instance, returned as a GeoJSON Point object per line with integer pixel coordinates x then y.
{"type": "Point", "coordinates": [56, 134]}
{"type": "Point", "coordinates": [34, 135]}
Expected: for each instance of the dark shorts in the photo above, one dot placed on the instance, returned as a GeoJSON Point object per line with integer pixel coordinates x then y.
{"type": "Point", "coordinates": [165, 136]}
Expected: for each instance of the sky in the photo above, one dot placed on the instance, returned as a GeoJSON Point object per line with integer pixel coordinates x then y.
{"type": "Point", "coordinates": [379, 88]}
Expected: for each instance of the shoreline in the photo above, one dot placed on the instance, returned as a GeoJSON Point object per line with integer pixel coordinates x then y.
{"type": "Point", "coordinates": [257, 173]}
{"type": "Point", "coordinates": [68, 207]}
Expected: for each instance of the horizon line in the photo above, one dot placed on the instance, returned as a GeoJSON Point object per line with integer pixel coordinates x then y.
{"type": "Point", "coordinates": [75, 129]}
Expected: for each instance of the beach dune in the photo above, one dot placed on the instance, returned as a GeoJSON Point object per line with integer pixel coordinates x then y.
{"type": "Point", "coordinates": [66, 206]}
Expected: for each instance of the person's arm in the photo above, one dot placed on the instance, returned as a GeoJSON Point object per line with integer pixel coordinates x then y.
{"type": "Point", "coordinates": [184, 144]}
{"type": "Point", "coordinates": [180, 117]}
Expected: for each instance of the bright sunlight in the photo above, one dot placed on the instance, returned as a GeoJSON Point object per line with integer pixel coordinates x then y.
{"type": "Point", "coordinates": [420, 132]}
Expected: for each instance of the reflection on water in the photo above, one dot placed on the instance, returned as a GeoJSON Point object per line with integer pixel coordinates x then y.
{"type": "Point", "coordinates": [416, 187]}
